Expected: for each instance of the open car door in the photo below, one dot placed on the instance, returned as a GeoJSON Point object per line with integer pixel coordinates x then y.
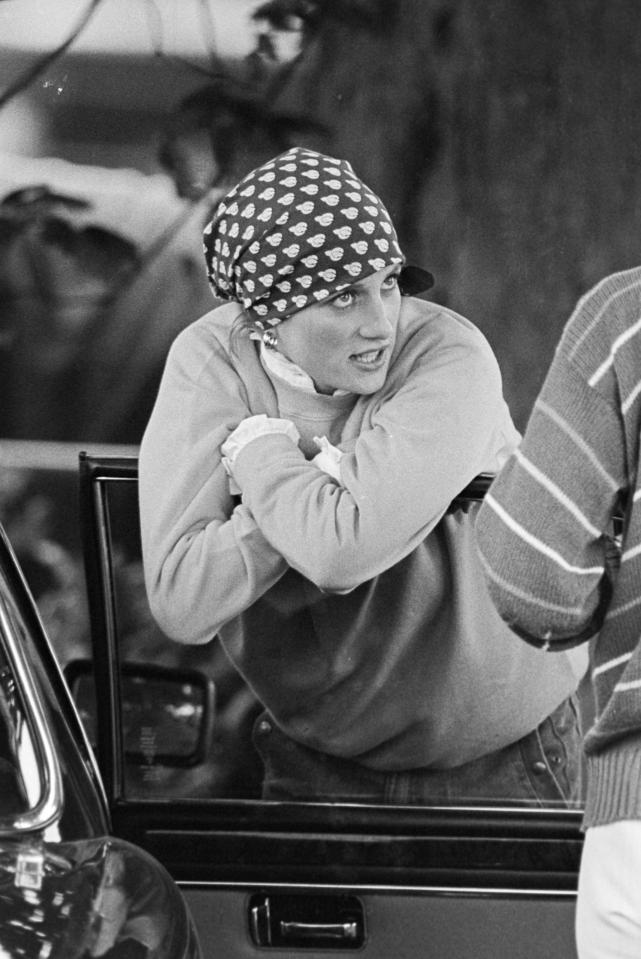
{"type": "Point", "coordinates": [172, 732]}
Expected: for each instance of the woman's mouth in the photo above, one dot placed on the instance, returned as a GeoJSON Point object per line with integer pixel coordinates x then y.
{"type": "Point", "coordinates": [369, 359]}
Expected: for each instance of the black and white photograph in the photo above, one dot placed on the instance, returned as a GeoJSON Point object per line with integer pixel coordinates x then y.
{"type": "Point", "coordinates": [320, 479]}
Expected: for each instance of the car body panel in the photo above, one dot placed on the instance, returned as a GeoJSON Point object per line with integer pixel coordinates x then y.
{"type": "Point", "coordinates": [67, 887]}
{"type": "Point", "coordinates": [87, 898]}
{"type": "Point", "coordinates": [405, 924]}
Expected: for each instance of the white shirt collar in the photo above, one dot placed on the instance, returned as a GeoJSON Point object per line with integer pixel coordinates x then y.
{"type": "Point", "coordinates": [280, 366]}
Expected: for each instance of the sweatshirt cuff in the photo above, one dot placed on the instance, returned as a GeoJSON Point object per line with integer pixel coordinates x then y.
{"type": "Point", "coordinates": [254, 456]}
{"type": "Point", "coordinates": [251, 428]}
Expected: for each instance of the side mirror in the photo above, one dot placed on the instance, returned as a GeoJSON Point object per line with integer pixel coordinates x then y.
{"type": "Point", "coordinates": [167, 712]}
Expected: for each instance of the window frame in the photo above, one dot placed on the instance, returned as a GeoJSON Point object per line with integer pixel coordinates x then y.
{"type": "Point", "coordinates": [506, 850]}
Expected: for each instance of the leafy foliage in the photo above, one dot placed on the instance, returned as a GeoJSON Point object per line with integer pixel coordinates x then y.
{"type": "Point", "coordinates": [222, 130]}
{"type": "Point", "coordinates": [284, 14]}
{"type": "Point", "coordinates": [234, 123]}
{"type": "Point", "coordinates": [53, 571]}
{"type": "Point", "coordinates": [47, 61]}
{"type": "Point", "coordinates": [49, 252]}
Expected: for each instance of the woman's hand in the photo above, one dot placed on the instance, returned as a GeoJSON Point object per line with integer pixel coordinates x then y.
{"type": "Point", "coordinates": [250, 429]}
{"type": "Point", "coordinates": [329, 458]}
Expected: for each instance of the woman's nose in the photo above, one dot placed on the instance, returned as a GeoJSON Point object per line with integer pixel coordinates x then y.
{"type": "Point", "coordinates": [375, 322]}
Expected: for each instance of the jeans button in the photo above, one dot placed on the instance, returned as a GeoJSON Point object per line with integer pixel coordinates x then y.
{"type": "Point", "coordinates": [539, 767]}
{"type": "Point", "coordinates": [264, 727]}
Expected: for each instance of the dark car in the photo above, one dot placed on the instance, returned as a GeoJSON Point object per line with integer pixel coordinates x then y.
{"type": "Point", "coordinates": [68, 887]}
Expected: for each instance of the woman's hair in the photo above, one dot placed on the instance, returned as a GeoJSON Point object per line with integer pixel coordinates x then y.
{"type": "Point", "coordinates": [240, 327]}
{"type": "Point", "coordinates": [294, 232]}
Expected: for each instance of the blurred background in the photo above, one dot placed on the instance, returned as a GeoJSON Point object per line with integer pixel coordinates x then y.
{"type": "Point", "coordinates": [503, 136]}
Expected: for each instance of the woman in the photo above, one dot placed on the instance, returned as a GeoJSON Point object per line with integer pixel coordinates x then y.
{"type": "Point", "coordinates": [295, 478]}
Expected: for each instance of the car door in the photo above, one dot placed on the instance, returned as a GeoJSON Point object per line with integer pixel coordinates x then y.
{"type": "Point", "coordinates": [314, 879]}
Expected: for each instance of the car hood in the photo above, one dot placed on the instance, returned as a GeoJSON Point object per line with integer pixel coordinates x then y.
{"type": "Point", "coordinates": [99, 897]}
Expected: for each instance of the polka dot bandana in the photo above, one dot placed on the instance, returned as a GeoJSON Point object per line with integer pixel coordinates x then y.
{"type": "Point", "coordinates": [295, 231]}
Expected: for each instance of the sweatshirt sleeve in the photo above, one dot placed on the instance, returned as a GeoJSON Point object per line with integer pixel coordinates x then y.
{"type": "Point", "coordinates": [205, 559]}
{"type": "Point", "coordinates": [544, 529]}
{"type": "Point", "coordinates": [440, 421]}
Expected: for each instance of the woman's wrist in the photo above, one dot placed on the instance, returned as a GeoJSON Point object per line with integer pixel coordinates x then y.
{"type": "Point", "coordinates": [247, 437]}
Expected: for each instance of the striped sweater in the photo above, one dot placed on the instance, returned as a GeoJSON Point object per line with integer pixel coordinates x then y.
{"type": "Point", "coordinates": [555, 573]}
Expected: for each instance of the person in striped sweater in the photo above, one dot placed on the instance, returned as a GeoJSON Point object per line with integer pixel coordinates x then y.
{"type": "Point", "coordinates": [560, 574]}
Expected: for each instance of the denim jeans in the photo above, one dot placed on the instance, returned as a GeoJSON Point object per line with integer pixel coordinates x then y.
{"type": "Point", "coordinates": [542, 768]}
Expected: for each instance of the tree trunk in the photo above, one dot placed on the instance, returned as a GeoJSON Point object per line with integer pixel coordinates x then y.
{"type": "Point", "coordinates": [503, 136]}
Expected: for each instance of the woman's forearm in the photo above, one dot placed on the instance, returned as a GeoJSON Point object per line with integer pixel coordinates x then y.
{"type": "Point", "coordinates": [211, 574]}
{"type": "Point", "coordinates": [395, 484]}
{"type": "Point", "coordinates": [205, 559]}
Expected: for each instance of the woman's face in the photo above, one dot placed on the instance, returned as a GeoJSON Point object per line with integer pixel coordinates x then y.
{"type": "Point", "coordinates": [346, 342]}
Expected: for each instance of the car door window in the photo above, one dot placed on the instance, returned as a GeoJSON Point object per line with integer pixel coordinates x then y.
{"type": "Point", "coordinates": [232, 767]}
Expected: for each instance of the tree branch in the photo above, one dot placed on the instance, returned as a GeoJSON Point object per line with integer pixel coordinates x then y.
{"type": "Point", "coordinates": [23, 82]}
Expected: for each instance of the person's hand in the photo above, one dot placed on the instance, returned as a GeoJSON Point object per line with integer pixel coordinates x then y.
{"type": "Point", "coordinates": [329, 458]}
{"type": "Point", "coordinates": [248, 430]}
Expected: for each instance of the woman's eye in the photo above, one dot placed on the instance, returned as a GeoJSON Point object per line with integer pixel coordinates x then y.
{"type": "Point", "coordinates": [344, 299]}
{"type": "Point", "coordinates": [391, 282]}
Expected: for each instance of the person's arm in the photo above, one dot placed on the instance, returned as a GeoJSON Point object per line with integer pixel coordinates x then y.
{"type": "Point", "coordinates": [436, 427]}
{"type": "Point", "coordinates": [205, 559]}
{"type": "Point", "coordinates": [544, 529]}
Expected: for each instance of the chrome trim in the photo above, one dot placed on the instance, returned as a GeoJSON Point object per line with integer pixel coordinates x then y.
{"type": "Point", "coordinates": [88, 755]}
{"type": "Point", "coordinates": [113, 669]}
{"type": "Point", "coordinates": [509, 809]}
{"type": "Point", "coordinates": [56, 456]}
{"type": "Point", "coordinates": [478, 892]}
{"type": "Point", "coordinates": [49, 806]}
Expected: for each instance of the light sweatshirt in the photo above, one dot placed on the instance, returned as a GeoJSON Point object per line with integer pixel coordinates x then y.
{"type": "Point", "coordinates": [545, 529]}
{"type": "Point", "coordinates": [357, 611]}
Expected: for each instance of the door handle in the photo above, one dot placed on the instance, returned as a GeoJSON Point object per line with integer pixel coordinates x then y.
{"type": "Point", "coordinates": [319, 931]}
{"type": "Point", "coordinates": [307, 921]}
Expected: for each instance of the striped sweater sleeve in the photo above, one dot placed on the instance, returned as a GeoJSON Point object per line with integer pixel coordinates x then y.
{"type": "Point", "coordinates": [544, 530]}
